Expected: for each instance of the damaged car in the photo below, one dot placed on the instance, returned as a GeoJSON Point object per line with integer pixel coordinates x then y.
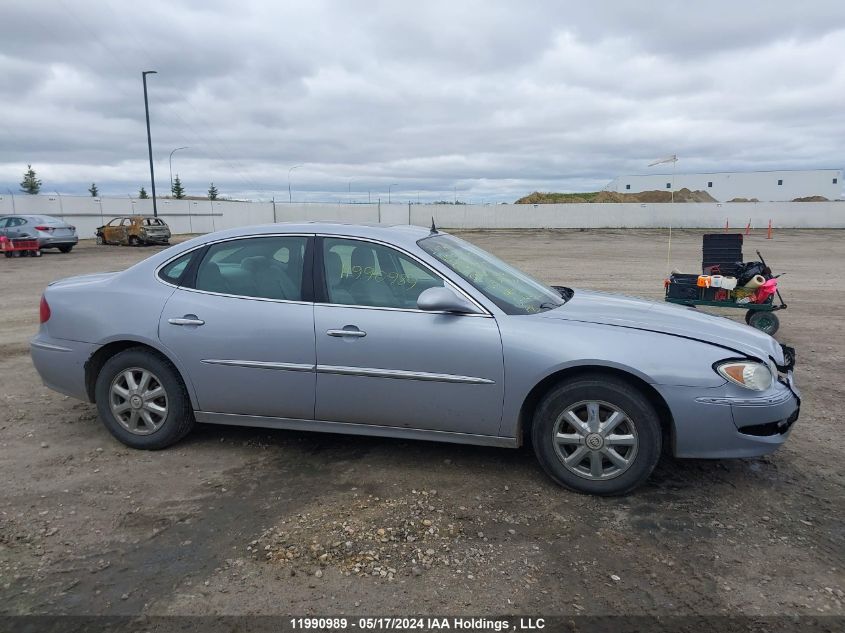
{"type": "Point", "coordinates": [413, 333]}
{"type": "Point", "coordinates": [134, 230]}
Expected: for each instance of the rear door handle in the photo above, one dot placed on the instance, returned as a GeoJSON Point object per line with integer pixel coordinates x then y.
{"type": "Point", "coordinates": [352, 333]}
{"type": "Point", "coordinates": [186, 320]}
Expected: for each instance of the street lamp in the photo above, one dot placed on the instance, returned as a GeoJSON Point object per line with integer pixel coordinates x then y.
{"type": "Point", "coordinates": [170, 162]}
{"type": "Point", "coordinates": [389, 187]}
{"type": "Point", "coordinates": [350, 192]}
{"type": "Point", "coordinates": [290, 195]}
{"type": "Point", "coordinates": [149, 138]}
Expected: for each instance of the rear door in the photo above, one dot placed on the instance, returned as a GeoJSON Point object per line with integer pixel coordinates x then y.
{"type": "Point", "coordinates": [244, 327]}
{"type": "Point", "coordinates": [382, 361]}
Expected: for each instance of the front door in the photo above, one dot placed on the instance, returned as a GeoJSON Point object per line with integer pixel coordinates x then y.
{"type": "Point", "coordinates": [244, 328]}
{"type": "Point", "coordinates": [382, 361]}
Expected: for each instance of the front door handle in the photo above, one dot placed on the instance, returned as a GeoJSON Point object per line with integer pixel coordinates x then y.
{"type": "Point", "coordinates": [353, 333]}
{"type": "Point", "coordinates": [188, 319]}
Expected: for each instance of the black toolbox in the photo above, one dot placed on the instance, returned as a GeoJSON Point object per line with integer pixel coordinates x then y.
{"type": "Point", "coordinates": [722, 250]}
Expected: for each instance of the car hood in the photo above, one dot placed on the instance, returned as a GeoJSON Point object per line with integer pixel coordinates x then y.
{"type": "Point", "coordinates": [665, 318]}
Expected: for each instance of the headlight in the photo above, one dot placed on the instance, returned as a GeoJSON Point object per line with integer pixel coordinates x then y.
{"type": "Point", "coordinates": [749, 374]}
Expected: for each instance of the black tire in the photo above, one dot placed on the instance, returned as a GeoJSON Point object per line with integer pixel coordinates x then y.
{"type": "Point", "coordinates": [180, 416]}
{"type": "Point", "coordinates": [66, 249]}
{"type": "Point", "coordinates": [609, 390]}
{"type": "Point", "coordinates": [100, 239]}
{"type": "Point", "coordinates": [765, 321]}
{"type": "Point", "coordinates": [748, 316]}
{"type": "Point", "coordinates": [134, 241]}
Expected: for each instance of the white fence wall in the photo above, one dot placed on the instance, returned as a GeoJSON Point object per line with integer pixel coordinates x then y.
{"type": "Point", "coordinates": [203, 216]}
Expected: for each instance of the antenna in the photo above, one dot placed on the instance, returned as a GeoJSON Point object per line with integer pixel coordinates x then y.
{"type": "Point", "coordinates": [433, 228]}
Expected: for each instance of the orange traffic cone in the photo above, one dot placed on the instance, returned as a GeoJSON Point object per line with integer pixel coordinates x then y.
{"type": "Point", "coordinates": [748, 227]}
{"type": "Point", "coordinates": [769, 235]}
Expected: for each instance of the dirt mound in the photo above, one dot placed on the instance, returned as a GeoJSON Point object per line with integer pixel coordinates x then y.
{"type": "Point", "coordinates": [657, 195]}
{"type": "Point", "coordinates": [811, 199]}
{"type": "Point", "coordinates": [743, 200]}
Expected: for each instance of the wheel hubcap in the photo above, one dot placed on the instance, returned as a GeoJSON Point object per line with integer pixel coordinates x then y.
{"type": "Point", "coordinates": [595, 440]}
{"type": "Point", "coordinates": [138, 401]}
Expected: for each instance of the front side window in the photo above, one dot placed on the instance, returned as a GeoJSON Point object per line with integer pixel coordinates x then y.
{"type": "Point", "coordinates": [250, 267]}
{"type": "Point", "coordinates": [510, 289]}
{"type": "Point", "coordinates": [368, 274]}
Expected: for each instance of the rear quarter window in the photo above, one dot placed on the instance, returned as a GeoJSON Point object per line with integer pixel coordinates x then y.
{"type": "Point", "coordinates": [173, 272]}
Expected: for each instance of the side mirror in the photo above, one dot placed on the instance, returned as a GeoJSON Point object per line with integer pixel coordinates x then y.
{"type": "Point", "coordinates": [441, 299]}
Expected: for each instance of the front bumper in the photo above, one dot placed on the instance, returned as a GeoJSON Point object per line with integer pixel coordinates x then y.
{"type": "Point", "coordinates": [729, 421]}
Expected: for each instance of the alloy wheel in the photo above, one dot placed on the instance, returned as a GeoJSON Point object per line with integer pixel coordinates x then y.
{"type": "Point", "coordinates": [138, 401]}
{"type": "Point", "coordinates": [595, 440]}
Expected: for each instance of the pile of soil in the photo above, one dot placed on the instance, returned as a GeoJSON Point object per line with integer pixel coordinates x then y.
{"type": "Point", "coordinates": [743, 200]}
{"type": "Point", "coordinates": [811, 199]}
{"type": "Point", "coordinates": [658, 195]}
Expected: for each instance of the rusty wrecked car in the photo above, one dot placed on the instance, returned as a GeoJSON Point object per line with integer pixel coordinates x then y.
{"type": "Point", "coordinates": [134, 230]}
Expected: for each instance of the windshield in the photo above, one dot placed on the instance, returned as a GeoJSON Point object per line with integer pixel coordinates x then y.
{"type": "Point", "coordinates": [510, 289]}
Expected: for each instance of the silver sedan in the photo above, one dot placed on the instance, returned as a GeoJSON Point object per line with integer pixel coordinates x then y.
{"type": "Point", "coordinates": [50, 232]}
{"type": "Point", "coordinates": [413, 333]}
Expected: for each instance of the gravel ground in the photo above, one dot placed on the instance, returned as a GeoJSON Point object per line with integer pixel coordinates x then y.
{"type": "Point", "coordinates": [242, 521]}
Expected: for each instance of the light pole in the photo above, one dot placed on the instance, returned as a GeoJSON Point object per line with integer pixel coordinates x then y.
{"type": "Point", "coordinates": [290, 195]}
{"type": "Point", "coordinates": [350, 192]}
{"type": "Point", "coordinates": [389, 187]}
{"type": "Point", "coordinates": [149, 138]}
{"type": "Point", "coordinates": [671, 159]}
{"type": "Point", "coordinates": [170, 162]}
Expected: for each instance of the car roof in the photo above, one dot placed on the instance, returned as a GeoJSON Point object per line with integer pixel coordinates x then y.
{"type": "Point", "coordinates": [38, 217]}
{"type": "Point", "coordinates": [398, 233]}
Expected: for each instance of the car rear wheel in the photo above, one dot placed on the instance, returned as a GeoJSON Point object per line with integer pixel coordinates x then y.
{"type": "Point", "coordinates": [142, 401]}
{"type": "Point", "coordinates": [66, 249]}
{"type": "Point", "coordinates": [134, 241]}
{"type": "Point", "coordinates": [597, 435]}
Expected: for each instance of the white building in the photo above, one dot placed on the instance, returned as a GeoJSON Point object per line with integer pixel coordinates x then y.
{"type": "Point", "coordinates": [766, 186]}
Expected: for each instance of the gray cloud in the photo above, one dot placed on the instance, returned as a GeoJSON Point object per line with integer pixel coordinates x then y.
{"type": "Point", "coordinates": [495, 99]}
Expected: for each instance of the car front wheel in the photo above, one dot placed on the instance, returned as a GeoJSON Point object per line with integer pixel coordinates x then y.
{"type": "Point", "coordinates": [597, 435]}
{"type": "Point", "coordinates": [142, 401]}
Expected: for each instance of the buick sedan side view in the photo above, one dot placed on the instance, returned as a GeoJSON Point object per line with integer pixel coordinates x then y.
{"type": "Point", "coordinates": [413, 333]}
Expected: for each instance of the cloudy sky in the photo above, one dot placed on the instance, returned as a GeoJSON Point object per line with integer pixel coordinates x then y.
{"type": "Point", "coordinates": [491, 100]}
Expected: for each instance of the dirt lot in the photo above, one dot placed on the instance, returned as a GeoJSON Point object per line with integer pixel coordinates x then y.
{"type": "Point", "coordinates": [236, 521]}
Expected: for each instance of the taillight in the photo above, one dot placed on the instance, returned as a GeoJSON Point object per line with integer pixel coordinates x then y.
{"type": "Point", "coordinates": [44, 310]}
{"type": "Point", "coordinates": [43, 228]}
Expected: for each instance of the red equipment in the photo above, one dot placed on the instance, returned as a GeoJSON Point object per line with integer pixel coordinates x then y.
{"type": "Point", "coordinates": [19, 247]}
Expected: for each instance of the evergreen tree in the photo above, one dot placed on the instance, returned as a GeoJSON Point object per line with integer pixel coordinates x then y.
{"type": "Point", "coordinates": [30, 183]}
{"type": "Point", "coordinates": [212, 192]}
{"type": "Point", "coordinates": [177, 190]}
{"type": "Point", "coordinates": [93, 190]}
{"type": "Point", "coordinates": [142, 193]}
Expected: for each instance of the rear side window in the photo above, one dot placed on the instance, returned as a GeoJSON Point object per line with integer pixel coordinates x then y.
{"type": "Point", "coordinates": [172, 272]}
{"type": "Point", "coordinates": [261, 267]}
